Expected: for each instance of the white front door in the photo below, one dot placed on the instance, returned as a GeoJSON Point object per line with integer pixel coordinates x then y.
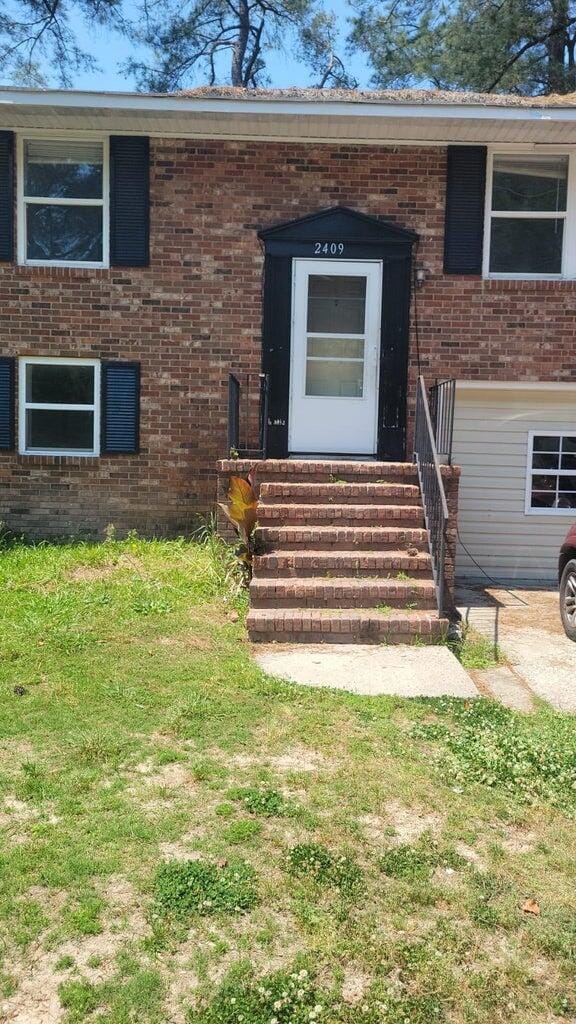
{"type": "Point", "coordinates": [336, 314]}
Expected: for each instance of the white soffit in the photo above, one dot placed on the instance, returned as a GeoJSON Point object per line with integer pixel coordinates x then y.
{"type": "Point", "coordinates": [289, 120]}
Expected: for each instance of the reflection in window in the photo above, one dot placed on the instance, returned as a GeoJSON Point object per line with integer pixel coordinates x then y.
{"type": "Point", "coordinates": [528, 213]}
{"type": "Point", "coordinates": [63, 197]}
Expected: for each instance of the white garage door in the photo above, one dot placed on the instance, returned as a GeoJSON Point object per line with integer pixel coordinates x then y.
{"type": "Point", "coordinates": [517, 448]}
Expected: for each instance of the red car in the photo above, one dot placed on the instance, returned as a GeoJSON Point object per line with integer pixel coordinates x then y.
{"type": "Point", "coordinates": [567, 576]}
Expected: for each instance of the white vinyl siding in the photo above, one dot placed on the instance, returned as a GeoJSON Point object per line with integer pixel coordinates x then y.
{"type": "Point", "coordinates": [491, 437]}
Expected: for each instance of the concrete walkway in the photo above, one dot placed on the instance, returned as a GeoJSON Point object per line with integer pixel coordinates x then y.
{"type": "Point", "coordinates": [372, 670]}
{"type": "Point", "coordinates": [525, 623]}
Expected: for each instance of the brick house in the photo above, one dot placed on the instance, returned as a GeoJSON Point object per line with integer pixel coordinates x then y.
{"type": "Point", "coordinates": [342, 243]}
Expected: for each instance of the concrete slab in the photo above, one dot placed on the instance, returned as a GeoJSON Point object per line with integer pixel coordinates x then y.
{"type": "Point", "coordinates": [370, 670]}
{"type": "Point", "coordinates": [503, 684]}
{"type": "Point", "coordinates": [525, 623]}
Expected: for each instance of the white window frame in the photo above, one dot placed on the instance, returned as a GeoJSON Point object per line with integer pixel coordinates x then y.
{"type": "Point", "coordinates": [569, 216]}
{"type": "Point", "coordinates": [23, 405]}
{"type": "Point", "coordinates": [22, 203]}
{"type": "Point", "coordinates": [529, 511]}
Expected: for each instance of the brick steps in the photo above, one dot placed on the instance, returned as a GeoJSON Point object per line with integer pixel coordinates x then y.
{"type": "Point", "coordinates": [345, 592]}
{"type": "Point", "coordinates": [322, 471]}
{"type": "Point", "coordinates": [341, 493]}
{"type": "Point", "coordinates": [342, 538]}
{"type": "Point", "coordinates": [343, 514]}
{"type": "Point", "coordinates": [343, 625]}
{"type": "Point", "coordinates": [294, 562]}
{"type": "Point", "coordinates": [333, 539]}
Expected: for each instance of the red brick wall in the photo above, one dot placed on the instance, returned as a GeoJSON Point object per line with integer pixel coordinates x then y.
{"type": "Point", "coordinates": [195, 314]}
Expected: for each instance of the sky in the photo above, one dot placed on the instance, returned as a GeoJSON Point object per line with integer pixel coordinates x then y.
{"type": "Point", "coordinates": [110, 50]}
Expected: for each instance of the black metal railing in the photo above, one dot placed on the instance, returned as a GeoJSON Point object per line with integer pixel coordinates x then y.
{"type": "Point", "coordinates": [239, 427]}
{"type": "Point", "coordinates": [441, 398]}
{"type": "Point", "coordinates": [432, 488]}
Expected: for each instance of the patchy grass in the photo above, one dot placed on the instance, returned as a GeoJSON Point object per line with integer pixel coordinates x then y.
{"type": "Point", "coordinates": [169, 815]}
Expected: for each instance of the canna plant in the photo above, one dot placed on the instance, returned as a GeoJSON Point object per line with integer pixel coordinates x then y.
{"type": "Point", "coordinates": [242, 511]}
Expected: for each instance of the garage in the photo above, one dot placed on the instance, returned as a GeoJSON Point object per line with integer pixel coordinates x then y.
{"type": "Point", "coordinates": [516, 445]}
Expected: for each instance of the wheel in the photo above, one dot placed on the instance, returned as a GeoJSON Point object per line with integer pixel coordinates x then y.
{"type": "Point", "coordinates": [568, 599]}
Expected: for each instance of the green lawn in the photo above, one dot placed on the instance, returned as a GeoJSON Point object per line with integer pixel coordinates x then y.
{"type": "Point", "coordinates": [184, 839]}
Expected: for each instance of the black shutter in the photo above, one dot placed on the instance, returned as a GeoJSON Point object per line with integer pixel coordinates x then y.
{"type": "Point", "coordinates": [7, 400]}
{"type": "Point", "coordinates": [6, 195]}
{"type": "Point", "coordinates": [120, 408]}
{"type": "Point", "coordinates": [129, 201]}
{"type": "Point", "coordinates": [464, 224]}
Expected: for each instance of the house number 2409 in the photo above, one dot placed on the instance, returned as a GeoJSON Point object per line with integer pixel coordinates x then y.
{"type": "Point", "coordinates": [328, 248]}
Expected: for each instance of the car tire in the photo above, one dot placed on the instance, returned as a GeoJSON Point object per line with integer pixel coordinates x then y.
{"type": "Point", "coordinates": [568, 599]}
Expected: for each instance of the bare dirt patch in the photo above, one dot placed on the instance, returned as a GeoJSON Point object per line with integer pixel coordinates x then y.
{"type": "Point", "coordinates": [296, 759]}
{"type": "Point", "coordinates": [36, 999]}
{"type": "Point", "coordinates": [16, 812]}
{"type": "Point", "coordinates": [354, 986]}
{"type": "Point", "coordinates": [408, 823]}
{"type": "Point", "coordinates": [181, 849]}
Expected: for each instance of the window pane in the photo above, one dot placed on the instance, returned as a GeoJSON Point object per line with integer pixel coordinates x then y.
{"type": "Point", "coordinates": [569, 444]}
{"type": "Point", "coordinates": [331, 378]}
{"type": "Point", "coordinates": [542, 499]}
{"type": "Point", "coordinates": [345, 348]}
{"type": "Point", "coordinates": [542, 460]}
{"type": "Point", "coordinates": [530, 183]}
{"type": "Point", "coordinates": [546, 443]}
{"type": "Point", "coordinates": [63, 170]}
{"type": "Point", "coordinates": [567, 500]}
{"type": "Point", "coordinates": [544, 483]}
{"type": "Point", "coordinates": [522, 246]}
{"type": "Point", "coordinates": [64, 233]}
{"type": "Point", "coordinates": [567, 483]}
{"type": "Point", "coordinates": [65, 385]}
{"type": "Point", "coordinates": [59, 430]}
{"type": "Point", "coordinates": [336, 304]}
{"type": "Point", "coordinates": [568, 462]}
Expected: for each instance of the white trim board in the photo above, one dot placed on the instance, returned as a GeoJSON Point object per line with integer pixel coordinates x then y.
{"type": "Point", "coordinates": [515, 385]}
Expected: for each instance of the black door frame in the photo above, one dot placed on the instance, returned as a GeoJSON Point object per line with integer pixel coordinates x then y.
{"type": "Point", "coordinates": [339, 233]}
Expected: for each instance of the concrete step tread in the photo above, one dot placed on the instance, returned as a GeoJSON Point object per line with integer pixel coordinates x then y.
{"type": "Point", "coordinates": [388, 559]}
{"type": "Point", "coordinates": [308, 467]}
{"type": "Point", "coordinates": [297, 489]}
{"type": "Point", "coordinates": [349, 508]}
{"type": "Point", "coordinates": [311, 583]}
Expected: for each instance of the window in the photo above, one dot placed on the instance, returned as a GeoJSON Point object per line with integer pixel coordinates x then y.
{"type": "Point", "coordinates": [63, 205]}
{"type": "Point", "coordinates": [527, 220]}
{"type": "Point", "coordinates": [59, 408]}
{"type": "Point", "coordinates": [551, 484]}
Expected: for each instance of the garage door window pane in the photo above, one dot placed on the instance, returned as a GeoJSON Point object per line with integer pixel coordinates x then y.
{"type": "Point", "coordinates": [554, 490]}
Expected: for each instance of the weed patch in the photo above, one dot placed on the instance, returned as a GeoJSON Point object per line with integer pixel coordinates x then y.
{"type": "Point", "coordinates": [286, 997]}
{"type": "Point", "coordinates": [316, 862]}
{"type": "Point", "coordinates": [188, 888]}
{"type": "Point", "coordinates": [416, 862]}
{"type": "Point", "coordinates": [267, 802]}
{"type": "Point", "coordinates": [483, 742]}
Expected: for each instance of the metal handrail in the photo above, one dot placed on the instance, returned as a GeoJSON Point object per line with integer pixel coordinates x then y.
{"type": "Point", "coordinates": [235, 429]}
{"type": "Point", "coordinates": [442, 399]}
{"type": "Point", "coordinates": [432, 488]}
